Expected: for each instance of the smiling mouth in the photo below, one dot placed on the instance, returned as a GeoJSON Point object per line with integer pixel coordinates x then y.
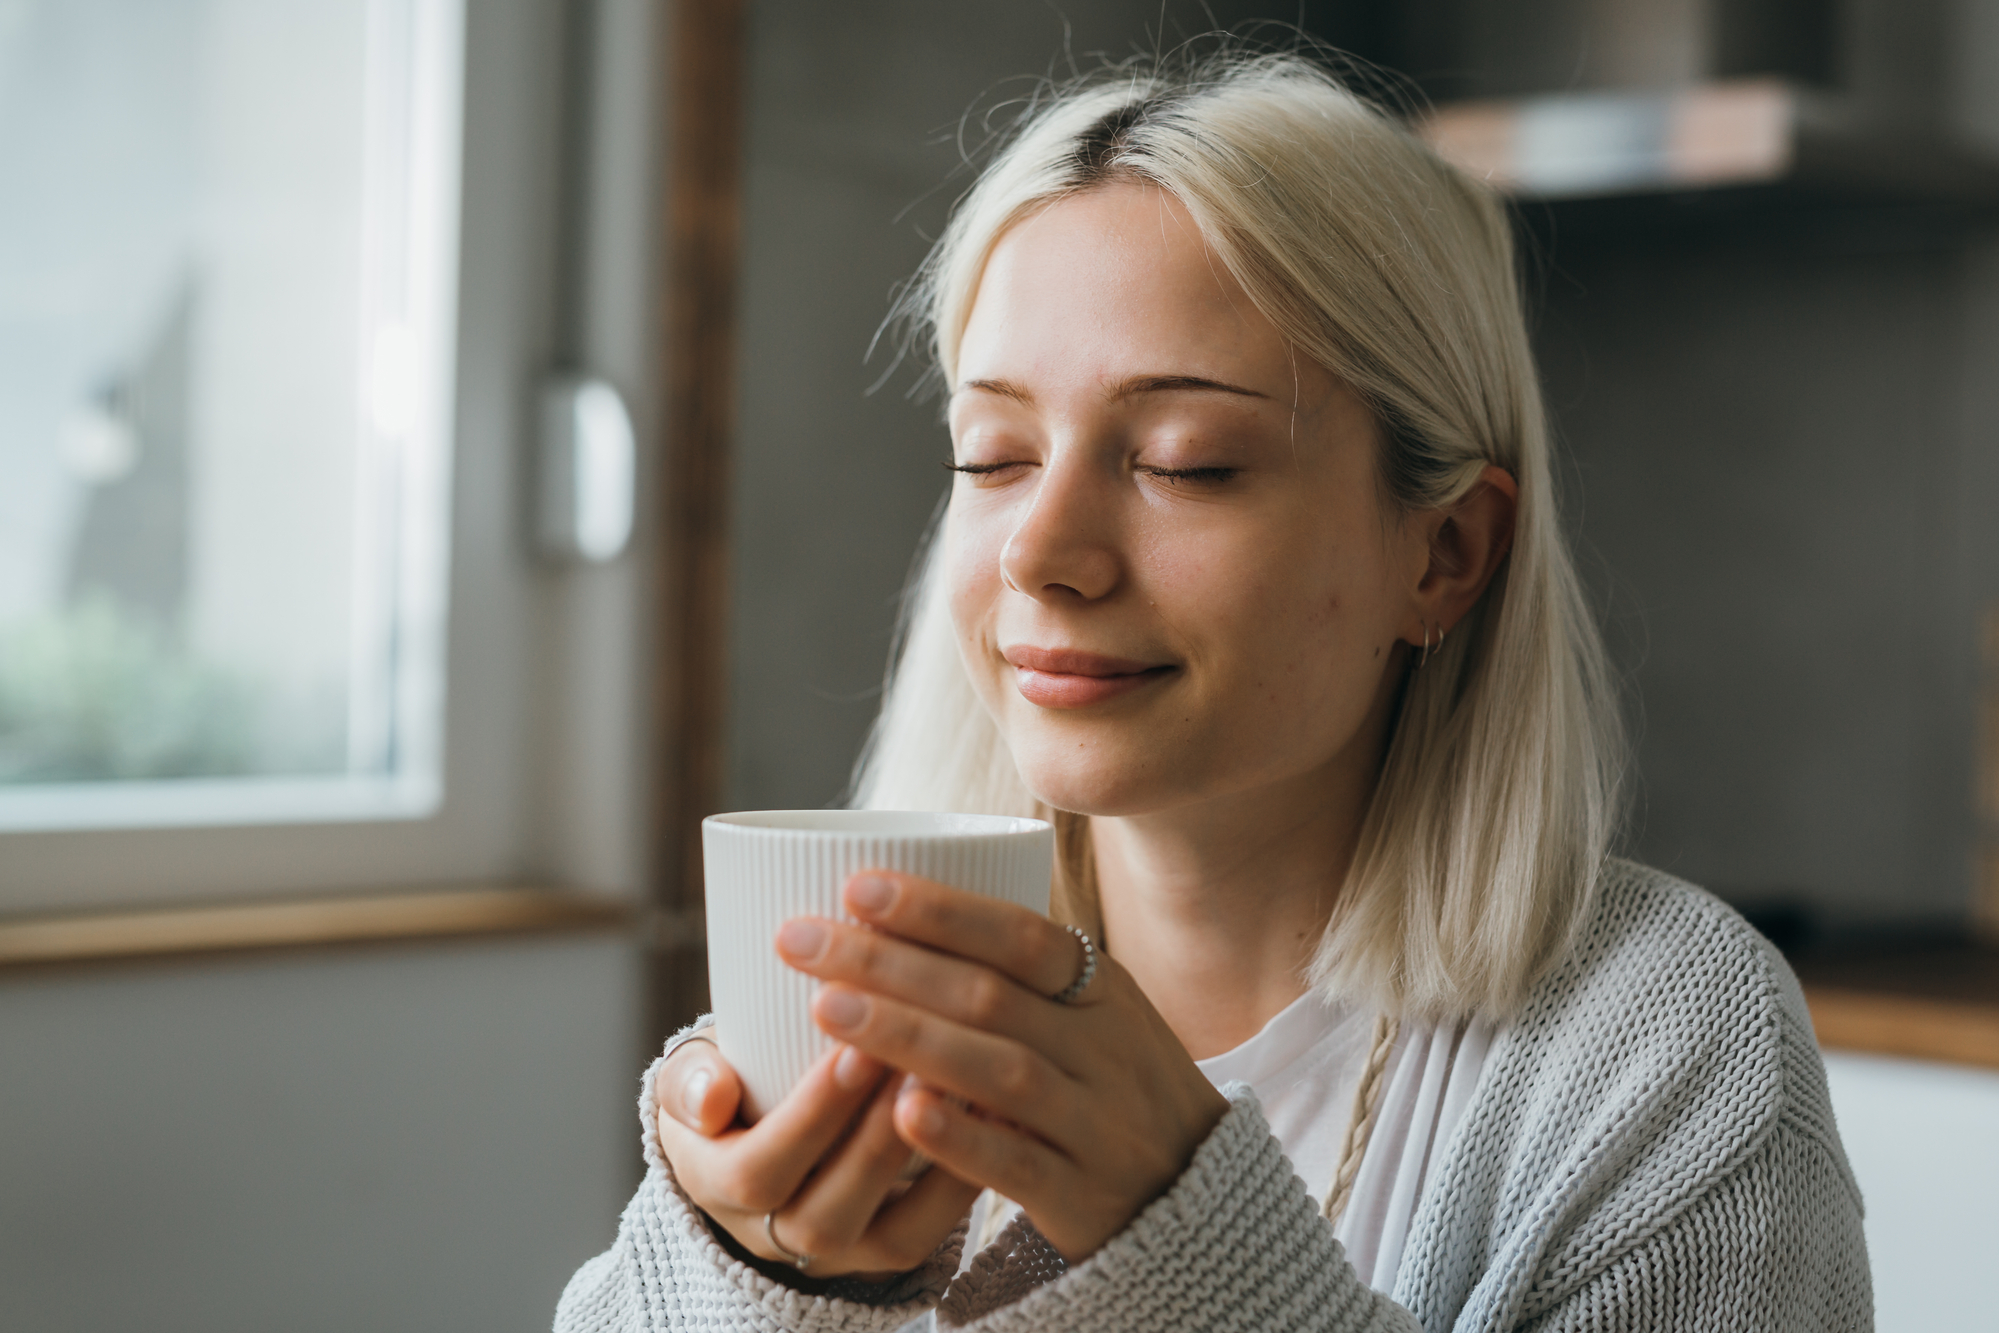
{"type": "Point", "coordinates": [1068, 678]}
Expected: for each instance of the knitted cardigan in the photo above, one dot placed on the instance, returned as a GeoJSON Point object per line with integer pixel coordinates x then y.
{"type": "Point", "coordinates": [1649, 1148]}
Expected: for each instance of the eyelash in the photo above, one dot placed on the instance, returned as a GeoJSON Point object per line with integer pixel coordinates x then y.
{"type": "Point", "coordinates": [1207, 474]}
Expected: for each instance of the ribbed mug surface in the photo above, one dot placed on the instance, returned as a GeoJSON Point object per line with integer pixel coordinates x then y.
{"type": "Point", "coordinates": [764, 867]}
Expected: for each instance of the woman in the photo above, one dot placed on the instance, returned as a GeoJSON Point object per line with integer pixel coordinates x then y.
{"type": "Point", "coordinates": [1251, 579]}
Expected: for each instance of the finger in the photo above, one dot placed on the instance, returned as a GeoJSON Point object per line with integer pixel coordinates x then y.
{"type": "Point", "coordinates": [699, 1089]}
{"type": "Point", "coordinates": [964, 991]}
{"type": "Point", "coordinates": [905, 1233]}
{"type": "Point", "coordinates": [833, 1210]}
{"type": "Point", "coordinates": [757, 1169]}
{"type": "Point", "coordinates": [998, 1073]}
{"type": "Point", "coordinates": [1033, 950]}
{"type": "Point", "coordinates": [988, 1152]}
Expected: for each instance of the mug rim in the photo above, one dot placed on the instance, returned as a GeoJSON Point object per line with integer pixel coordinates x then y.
{"type": "Point", "coordinates": [874, 824]}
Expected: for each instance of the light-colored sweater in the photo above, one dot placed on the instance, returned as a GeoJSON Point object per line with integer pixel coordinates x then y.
{"type": "Point", "coordinates": [1650, 1148]}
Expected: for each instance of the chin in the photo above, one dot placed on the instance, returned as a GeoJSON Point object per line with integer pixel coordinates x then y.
{"type": "Point", "coordinates": [1098, 786]}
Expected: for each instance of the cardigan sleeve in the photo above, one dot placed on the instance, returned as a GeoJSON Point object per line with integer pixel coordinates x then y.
{"type": "Point", "coordinates": [1775, 1246]}
{"type": "Point", "coordinates": [666, 1270]}
{"type": "Point", "coordinates": [1236, 1243]}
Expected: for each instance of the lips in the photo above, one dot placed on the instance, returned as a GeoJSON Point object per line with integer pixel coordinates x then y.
{"type": "Point", "coordinates": [1073, 678]}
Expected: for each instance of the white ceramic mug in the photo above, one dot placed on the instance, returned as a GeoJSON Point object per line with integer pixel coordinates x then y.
{"type": "Point", "coordinates": [764, 867]}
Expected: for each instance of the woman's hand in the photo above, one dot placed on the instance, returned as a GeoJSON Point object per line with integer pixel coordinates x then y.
{"type": "Point", "coordinates": [825, 1164]}
{"type": "Point", "coordinates": [1082, 1113]}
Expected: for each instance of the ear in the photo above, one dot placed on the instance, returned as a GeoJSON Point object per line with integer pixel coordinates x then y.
{"type": "Point", "coordinates": [1467, 543]}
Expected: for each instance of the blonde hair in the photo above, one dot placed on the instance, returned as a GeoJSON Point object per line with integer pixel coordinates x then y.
{"type": "Point", "coordinates": [1498, 798]}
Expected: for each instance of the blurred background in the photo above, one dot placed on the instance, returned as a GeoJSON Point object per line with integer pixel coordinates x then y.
{"type": "Point", "coordinates": [441, 458]}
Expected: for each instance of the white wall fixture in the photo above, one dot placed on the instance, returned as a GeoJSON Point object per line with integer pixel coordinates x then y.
{"type": "Point", "coordinates": [586, 475]}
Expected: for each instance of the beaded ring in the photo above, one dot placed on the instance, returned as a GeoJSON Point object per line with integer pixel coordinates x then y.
{"type": "Point", "coordinates": [1068, 994]}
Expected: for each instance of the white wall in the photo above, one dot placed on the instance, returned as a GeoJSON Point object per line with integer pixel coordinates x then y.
{"type": "Point", "coordinates": [422, 1138]}
{"type": "Point", "coordinates": [1921, 1140]}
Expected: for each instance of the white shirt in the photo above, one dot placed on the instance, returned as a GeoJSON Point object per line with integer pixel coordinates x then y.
{"type": "Point", "coordinates": [1305, 1065]}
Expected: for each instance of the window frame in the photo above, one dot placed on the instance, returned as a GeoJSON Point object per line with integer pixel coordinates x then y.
{"type": "Point", "coordinates": [545, 777]}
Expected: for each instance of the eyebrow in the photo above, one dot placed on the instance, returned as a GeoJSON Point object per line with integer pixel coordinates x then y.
{"type": "Point", "coordinates": [1123, 389]}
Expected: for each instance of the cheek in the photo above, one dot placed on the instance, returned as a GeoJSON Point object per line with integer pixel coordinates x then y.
{"type": "Point", "coordinates": [1242, 594]}
{"type": "Point", "coordinates": [972, 550]}
{"type": "Point", "coordinates": [1286, 623]}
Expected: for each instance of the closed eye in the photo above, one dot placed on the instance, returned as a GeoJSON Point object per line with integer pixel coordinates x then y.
{"type": "Point", "coordinates": [1197, 474]}
{"type": "Point", "coordinates": [980, 469]}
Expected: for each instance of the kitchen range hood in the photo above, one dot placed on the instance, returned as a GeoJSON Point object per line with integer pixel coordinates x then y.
{"type": "Point", "coordinates": [1727, 134]}
{"type": "Point", "coordinates": [1651, 113]}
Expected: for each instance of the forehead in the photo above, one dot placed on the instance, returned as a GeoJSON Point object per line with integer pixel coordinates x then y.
{"type": "Point", "coordinates": [1110, 283]}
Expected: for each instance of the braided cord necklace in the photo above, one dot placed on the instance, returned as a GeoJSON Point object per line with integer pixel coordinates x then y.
{"type": "Point", "coordinates": [1360, 1124]}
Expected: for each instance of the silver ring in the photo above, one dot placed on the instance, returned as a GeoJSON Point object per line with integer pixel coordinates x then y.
{"type": "Point", "coordinates": [1068, 994]}
{"type": "Point", "coordinates": [798, 1261]}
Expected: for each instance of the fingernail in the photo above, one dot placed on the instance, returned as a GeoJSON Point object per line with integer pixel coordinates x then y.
{"type": "Point", "coordinates": [802, 938]}
{"type": "Point", "coordinates": [853, 1070]}
{"type": "Point", "coordinates": [843, 1009]}
{"type": "Point", "coordinates": [929, 1120]}
{"type": "Point", "coordinates": [697, 1090]}
{"type": "Point", "coordinates": [870, 894]}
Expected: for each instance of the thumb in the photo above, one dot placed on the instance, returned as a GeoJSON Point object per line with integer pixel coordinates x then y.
{"type": "Point", "coordinates": [699, 1089]}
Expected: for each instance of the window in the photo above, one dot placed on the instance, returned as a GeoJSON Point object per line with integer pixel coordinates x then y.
{"type": "Point", "coordinates": [226, 273]}
{"type": "Point", "coordinates": [358, 235]}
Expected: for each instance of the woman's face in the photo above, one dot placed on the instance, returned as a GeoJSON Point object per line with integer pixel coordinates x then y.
{"type": "Point", "coordinates": [1172, 576]}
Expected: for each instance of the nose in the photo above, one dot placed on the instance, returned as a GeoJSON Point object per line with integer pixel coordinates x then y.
{"type": "Point", "coordinates": [1064, 548]}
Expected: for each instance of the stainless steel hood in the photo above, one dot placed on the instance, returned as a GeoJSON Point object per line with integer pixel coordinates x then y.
{"type": "Point", "coordinates": [1700, 106]}
{"type": "Point", "coordinates": [1738, 133]}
